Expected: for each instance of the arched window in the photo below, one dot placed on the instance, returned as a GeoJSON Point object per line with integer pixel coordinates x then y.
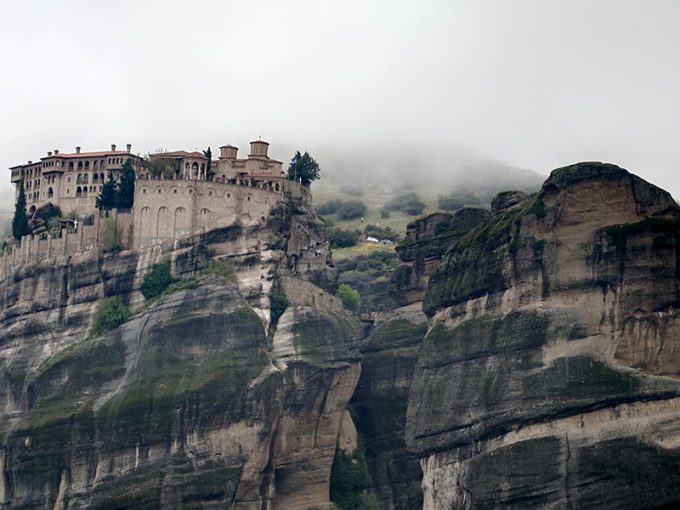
{"type": "Point", "coordinates": [85, 178]}
{"type": "Point", "coordinates": [70, 165]}
{"type": "Point", "coordinates": [50, 193]}
{"type": "Point", "coordinates": [80, 165]}
{"type": "Point", "coordinates": [95, 177]}
{"type": "Point", "coordinates": [79, 191]}
{"type": "Point", "coordinates": [79, 179]}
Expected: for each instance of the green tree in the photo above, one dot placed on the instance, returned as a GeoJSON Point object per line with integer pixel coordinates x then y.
{"type": "Point", "coordinates": [156, 281]}
{"type": "Point", "coordinates": [107, 196]}
{"type": "Point", "coordinates": [408, 203]}
{"type": "Point", "coordinates": [111, 312]}
{"type": "Point", "coordinates": [303, 168]}
{"type": "Point", "coordinates": [349, 478]}
{"type": "Point", "coordinates": [20, 221]}
{"type": "Point", "coordinates": [351, 209]}
{"type": "Point", "coordinates": [208, 168]}
{"type": "Point", "coordinates": [342, 238]}
{"type": "Point", "coordinates": [350, 297]}
{"type": "Point", "coordinates": [125, 195]}
{"type": "Point", "coordinates": [279, 303]}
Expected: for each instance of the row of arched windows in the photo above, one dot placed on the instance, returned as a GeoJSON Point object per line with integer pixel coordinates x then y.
{"type": "Point", "coordinates": [82, 191]}
{"type": "Point", "coordinates": [84, 178]}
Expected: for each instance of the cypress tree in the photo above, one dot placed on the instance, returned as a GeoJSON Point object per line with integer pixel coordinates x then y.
{"type": "Point", "coordinates": [208, 171]}
{"type": "Point", "coordinates": [126, 190]}
{"type": "Point", "coordinates": [20, 221]}
{"type": "Point", "coordinates": [108, 195]}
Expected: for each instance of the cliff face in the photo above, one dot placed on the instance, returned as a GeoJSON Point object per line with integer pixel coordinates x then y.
{"type": "Point", "coordinates": [195, 402]}
{"type": "Point", "coordinates": [533, 362]}
{"type": "Point", "coordinates": [548, 375]}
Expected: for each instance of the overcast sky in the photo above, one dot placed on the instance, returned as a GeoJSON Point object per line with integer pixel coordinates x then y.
{"type": "Point", "coordinates": [537, 84]}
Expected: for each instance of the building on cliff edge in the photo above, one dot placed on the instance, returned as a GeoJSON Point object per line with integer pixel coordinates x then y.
{"type": "Point", "coordinates": [190, 195]}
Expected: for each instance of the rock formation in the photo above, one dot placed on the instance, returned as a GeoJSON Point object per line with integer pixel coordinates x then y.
{"type": "Point", "coordinates": [548, 375]}
{"type": "Point", "coordinates": [532, 362]}
{"type": "Point", "coordinates": [196, 401]}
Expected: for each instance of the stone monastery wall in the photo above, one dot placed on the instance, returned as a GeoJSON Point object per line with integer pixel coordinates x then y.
{"type": "Point", "coordinates": [172, 209]}
{"type": "Point", "coordinates": [35, 249]}
{"type": "Point", "coordinates": [164, 211]}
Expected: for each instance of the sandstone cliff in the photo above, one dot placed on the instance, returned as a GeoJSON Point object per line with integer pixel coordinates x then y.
{"type": "Point", "coordinates": [533, 363]}
{"type": "Point", "coordinates": [196, 401]}
{"type": "Point", "coordinates": [548, 375]}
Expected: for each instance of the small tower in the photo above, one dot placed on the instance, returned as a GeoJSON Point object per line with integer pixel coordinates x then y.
{"type": "Point", "coordinates": [228, 152]}
{"type": "Point", "coordinates": [258, 149]}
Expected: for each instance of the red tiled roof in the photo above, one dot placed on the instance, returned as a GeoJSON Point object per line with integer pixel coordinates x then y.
{"type": "Point", "coordinates": [89, 154]}
{"type": "Point", "coordinates": [179, 154]}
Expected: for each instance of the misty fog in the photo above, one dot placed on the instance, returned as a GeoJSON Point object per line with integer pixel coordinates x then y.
{"type": "Point", "coordinates": [442, 89]}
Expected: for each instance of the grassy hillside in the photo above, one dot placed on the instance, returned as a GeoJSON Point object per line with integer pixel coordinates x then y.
{"type": "Point", "coordinates": [376, 178]}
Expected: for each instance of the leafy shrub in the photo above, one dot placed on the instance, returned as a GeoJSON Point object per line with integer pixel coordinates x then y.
{"type": "Point", "coordinates": [376, 264]}
{"type": "Point", "coordinates": [461, 198]}
{"type": "Point", "coordinates": [330, 207]}
{"type": "Point", "coordinates": [156, 281]}
{"type": "Point", "coordinates": [342, 238]}
{"type": "Point", "coordinates": [351, 209]}
{"type": "Point", "coordinates": [384, 256]}
{"type": "Point", "coordinates": [363, 265]}
{"type": "Point", "coordinates": [220, 267]}
{"type": "Point", "coordinates": [413, 207]}
{"type": "Point", "coordinates": [111, 312]}
{"type": "Point", "coordinates": [408, 203]}
{"type": "Point", "coordinates": [279, 303]}
{"type": "Point", "coordinates": [346, 265]}
{"type": "Point", "coordinates": [349, 478]}
{"type": "Point", "coordinates": [384, 213]}
{"type": "Point", "coordinates": [349, 296]}
{"type": "Point", "coordinates": [183, 284]}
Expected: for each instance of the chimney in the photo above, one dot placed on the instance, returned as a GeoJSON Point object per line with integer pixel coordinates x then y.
{"type": "Point", "coordinates": [113, 147]}
{"type": "Point", "coordinates": [56, 151]}
{"type": "Point", "coordinates": [129, 147]}
{"type": "Point", "coordinates": [49, 153]}
{"type": "Point", "coordinates": [77, 150]}
{"type": "Point", "coordinates": [30, 162]}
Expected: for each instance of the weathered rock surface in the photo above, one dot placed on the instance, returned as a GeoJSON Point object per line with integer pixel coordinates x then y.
{"type": "Point", "coordinates": [548, 376]}
{"type": "Point", "coordinates": [192, 403]}
{"type": "Point", "coordinates": [379, 406]}
{"type": "Point", "coordinates": [427, 239]}
{"type": "Point", "coordinates": [542, 371]}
